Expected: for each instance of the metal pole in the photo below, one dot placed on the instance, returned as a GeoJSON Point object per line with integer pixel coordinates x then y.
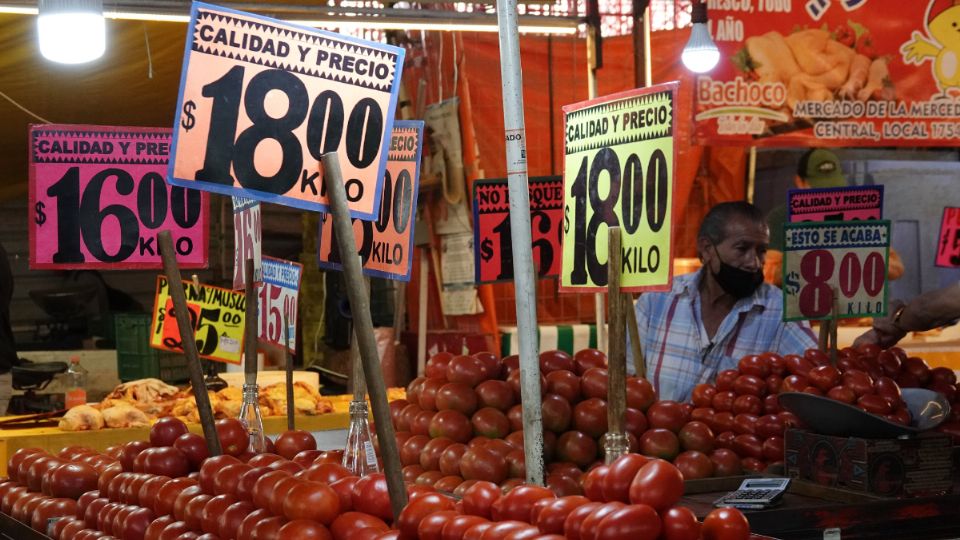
{"type": "Point", "coordinates": [363, 330]}
{"type": "Point", "coordinates": [523, 269]}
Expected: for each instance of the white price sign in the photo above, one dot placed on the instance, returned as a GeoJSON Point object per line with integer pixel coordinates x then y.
{"type": "Point", "coordinates": [278, 300]}
{"type": "Point", "coordinates": [246, 239]}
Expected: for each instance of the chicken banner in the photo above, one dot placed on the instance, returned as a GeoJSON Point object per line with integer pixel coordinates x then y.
{"type": "Point", "coordinates": [832, 73]}
{"type": "Point", "coordinates": [216, 314]}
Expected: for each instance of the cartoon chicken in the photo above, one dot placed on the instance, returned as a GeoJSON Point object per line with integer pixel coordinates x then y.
{"type": "Point", "coordinates": [942, 46]}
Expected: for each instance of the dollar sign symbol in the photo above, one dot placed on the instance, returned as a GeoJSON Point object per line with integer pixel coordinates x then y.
{"type": "Point", "coordinates": [41, 217]}
{"type": "Point", "coordinates": [566, 219]}
{"type": "Point", "coordinates": [486, 250]}
{"type": "Point", "coordinates": [188, 121]}
{"type": "Point", "coordinates": [792, 283]}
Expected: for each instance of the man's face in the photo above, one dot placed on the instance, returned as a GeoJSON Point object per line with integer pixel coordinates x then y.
{"type": "Point", "coordinates": [744, 247]}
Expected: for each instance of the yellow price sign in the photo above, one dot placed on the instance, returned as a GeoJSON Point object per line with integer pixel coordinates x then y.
{"type": "Point", "coordinates": [217, 316]}
{"type": "Point", "coordinates": [618, 172]}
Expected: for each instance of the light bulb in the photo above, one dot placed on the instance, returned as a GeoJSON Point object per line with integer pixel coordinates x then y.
{"type": "Point", "coordinates": [700, 55]}
{"type": "Point", "coordinates": [71, 31]}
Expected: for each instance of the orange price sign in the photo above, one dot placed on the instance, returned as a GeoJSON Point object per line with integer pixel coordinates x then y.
{"type": "Point", "coordinates": [262, 100]}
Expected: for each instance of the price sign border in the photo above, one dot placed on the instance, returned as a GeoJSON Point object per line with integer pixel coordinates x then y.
{"type": "Point", "coordinates": [476, 219]}
{"type": "Point", "coordinates": [133, 131]}
{"type": "Point", "coordinates": [420, 126]}
{"type": "Point", "coordinates": [673, 87]}
{"type": "Point", "coordinates": [263, 283]}
{"type": "Point", "coordinates": [943, 221]}
{"type": "Point", "coordinates": [814, 191]}
{"type": "Point", "coordinates": [261, 196]}
{"type": "Point", "coordinates": [153, 321]}
{"type": "Point", "coordinates": [825, 224]}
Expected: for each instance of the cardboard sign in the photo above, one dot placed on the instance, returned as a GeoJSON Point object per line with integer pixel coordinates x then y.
{"type": "Point", "coordinates": [262, 100]}
{"type": "Point", "coordinates": [98, 199]}
{"type": "Point", "coordinates": [217, 315]}
{"type": "Point", "coordinates": [493, 245]}
{"type": "Point", "coordinates": [831, 73]}
{"type": "Point", "coordinates": [848, 257]}
{"type": "Point", "coordinates": [855, 203]}
{"type": "Point", "coordinates": [948, 241]}
{"type": "Point", "coordinates": [385, 246]}
{"type": "Point", "coordinates": [247, 238]}
{"type": "Point", "coordinates": [618, 171]}
{"type": "Point", "coordinates": [278, 296]}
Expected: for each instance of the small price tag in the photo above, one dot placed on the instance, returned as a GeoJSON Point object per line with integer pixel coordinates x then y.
{"type": "Point", "coordinates": [857, 203]}
{"type": "Point", "coordinates": [262, 100]}
{"type": "Point", "coordinates": [247, 238]}
{"type": "Point", "coordinates": [618, 171]}
{"type": "Point", "coordinates": [493, 244]}
{"type": "Point", "coordinates": [216, 314]}
{"type": "Point", "coordinates": [848, 257]}
{"type": "Point", "coordinates": [278, 297]}
{"type": "Point", "coordinates": [948, 241]}
{"type": "Point", "coordinates": [98, 199]}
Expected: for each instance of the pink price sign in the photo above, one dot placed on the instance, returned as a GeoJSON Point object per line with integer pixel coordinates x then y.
{"type": "Point", "coordinates": [855, 203]}
{"type": "Point", "coordinates": [98, 198]}
{"type": "Point", "coordinates": [948, 242]}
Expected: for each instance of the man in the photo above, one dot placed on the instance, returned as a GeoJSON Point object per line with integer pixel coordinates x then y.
{"type": "Point", "coordinates": [930, 310]}
{"type": "Point", "coordinates": [818, 168]}
{"type": "Point", "coordinates": [724, 311]}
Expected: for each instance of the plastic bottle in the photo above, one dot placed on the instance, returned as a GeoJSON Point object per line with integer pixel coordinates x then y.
{"type": "Point", "coordinates": [76, 393]}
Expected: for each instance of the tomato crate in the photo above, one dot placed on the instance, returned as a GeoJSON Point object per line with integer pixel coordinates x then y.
{"type": "Point", "coordinates": [137, 360]}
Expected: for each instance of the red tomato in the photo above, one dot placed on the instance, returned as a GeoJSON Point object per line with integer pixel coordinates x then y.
{"type": "Point", "coordinates": [750, 385]}
{"type": "Point", "coordinates": [660, 443]}
{"type": "Point", "coordinates": [130, 452]}
{"type": "Point", "coordinates": [640, 393]}
{"type": "Point", "coordinates": [593, 383]}
{"type": "Point", "coordinates": [773, 448]}
{"type": "Point", "coordinates": [696, 436]}
{"type": "Point", "coordinates": [842, 394]}
{"type": "Point", "coordinates": [165, 461]}
{"type": "Point", "coordinates": [667, 415]}
{"type": "Point", "coordinates": [744, 423]}
{"type": "Point", "coordinates": [723, 401]}
{"type": "Point", "coordinates": [702, 395]}
{"type": "Point", "coordinates": [725, 380]}
{"type": "Point", "coordinates": [488, 422]}
{"type": "Point", "coordinates": [576, 447]}
{"type": "Point", "coordinates": [725, 524]}
{"type": "Point", "coordinates": [417, 509]}
{"type": "Point", "coordinates": [874, 404]}
{"type": "Point", "coordinates": [620, 473]}
{"type": "Point", "coordinates": [72, 480]}
{"type": "Point", "coordinates": [794, 383]}
{"type": "Point", "coordinates": [210, 468]}
{"type": "Point", "coordinates": [156, 527]}
{"type": "Point", "coordinates": [291, 443]}
{"type": "Point", "coordinates": [345, 524]}
{"type": "Point", "coordinates": [590, 417]}
{"type": "Point", "coordinates": [302, 529]}
{"type": "Point", "coordinates": [679, 523]}
{"type": "Point", "coordinates": [658, 484]}
{"type": "Point", "coordinates": [344, 490]}
{"type": "Point", "coordinates": [166, 431]}
{"type": "Point", "coordinates": [458, 397]}
{"type": "Point", "coordinates": [585, 359]}
{"type": "Point", "coordinates": [450, 458]}
{"type": "Point", "coordinates": [859, 381]}
{"type": "Point", "coordinates": [756, 365]}
{"type": "Point", "coordinates": [693, 464]}
{"type": "Point", "coordinates": [497, 394]}
{"type": "Point", "coordinates": [824, 377]}
{"type": "Point", "coordinates": [553, 512]}
{"type": "Point", "coordinates": [436, 366]}
{"type": "Point", "coordinates": [430, 455]}
{"type": "Point", "coordinates": [634, 522]}
{"type": "Point", "coordinates": [455, 528]}
{"type": "Point", "coordinates": [370, 495]}
{"type": "Point", "coordinates": [518, 502]}
{"type": "Point", "coordinates": [233, 436]}
{"type": "Point", "coordinates": [13, 464]}
{"type": "Point", "coordinates": [492, 366]}
{"type": "Point", "coordinates": [797, 365]}
{"type": "Point", "coordinates": [193, 511]}
{"type": "Point", "coordinates": [589, 527]}
{"type": "Point", "coordinates": [769, 425]}
{"type": "Point", "coordinates": [573, 524]}
{"type": "Point", "coordinates": [466, 370]}
{"type": "Point", "coordinates": [324, 472]}
{"type": "Point", "coordinates": [748, 445]}
{"type": "Point", "coordinates": [431, 526]}
{"type": "Point", "coordinates": [555, 360]}
{"type": "Point", "coordinates": [194, 447]}
{"type": "Point", "coordinates": [748, 404]}
{"type": "Point", "coordinates": [483, 464]}
{"type": "Point", "coordinates": [562, 382]}
{"type": "Point", "coordinates": [556, 413]}
{"type": "Point", "coordinates": [592, 483]}
{"type": "Point", "coordinates": [52, 508]}
{"type": "Point", "coordinates": [168, 493]}
{"type": "Point", "coordinates": [311, 500]}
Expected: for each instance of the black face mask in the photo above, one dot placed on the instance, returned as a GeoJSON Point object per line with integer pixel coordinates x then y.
{"type": "Point", "coordinates": [737, 282]}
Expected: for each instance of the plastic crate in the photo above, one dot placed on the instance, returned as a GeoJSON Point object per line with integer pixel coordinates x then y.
{"type": "Point", "coordinates": [137, 360]}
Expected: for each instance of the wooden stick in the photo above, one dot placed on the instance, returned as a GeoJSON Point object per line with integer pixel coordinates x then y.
{"type": "Point", "coordinates": [422, 312]}
{"type": "Point", "coordinates": [617, 353]}
{"type": "Point", "coordinates": [834, 318]}
{"type": "Point", "coordinates": [639, 364]}
{"type": "Point", "coordinates": [175, 284]}
{"type": "Point", "coordinates": [288, 366]}
{"type": "Point", "coordinates": [250, 338]}
{"type": "Point", "coordinates": [363, 328]}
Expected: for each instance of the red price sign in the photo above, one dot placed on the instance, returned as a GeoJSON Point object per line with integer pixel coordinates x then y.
{"type": "Point", "coordinates": [247, 237]}
{"type": "Point", "coordinates": [278, 300]}
{"type": "Point", "coordinates": [846, 260]}
{"type": "Point", "coordinates": [948, 242]}
{"type": "Point", "coordinates": [493, 245]}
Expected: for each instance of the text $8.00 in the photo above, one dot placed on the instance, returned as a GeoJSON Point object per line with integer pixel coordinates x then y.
{"type": "Point", "coordinates": [817, 268]}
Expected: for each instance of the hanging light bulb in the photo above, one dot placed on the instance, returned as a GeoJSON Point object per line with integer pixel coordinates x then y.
{"type": "Point", "coordinates": [71, 31]}
{"type": "Point", "coordinates": [700, 55]}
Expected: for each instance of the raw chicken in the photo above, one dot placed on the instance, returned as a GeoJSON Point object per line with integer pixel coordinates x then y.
{"type": "Point", "coordinates": [82, 418]}
{"type": "Point", "coordinates": [123, 416]}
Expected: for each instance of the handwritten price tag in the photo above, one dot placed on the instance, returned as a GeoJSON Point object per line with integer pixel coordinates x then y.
{"type": "Point", "coordinates": [618, 171]}
{"type": "Point", "coordinates": [493, 245]}
{"type": "Point", "coordinates": [848, 257]}
{"type": "Point", "coordinates": [278, 296]}
{"type": "Point", "coordinates": [217, 316]}
{"type": "Point", "coordinates": [99, 199]}
{"type": "Point", "coordinates": [856, 203]}
{"type": "Point", "coordinates": [262, 100]}
{"type": "Point", "coordinates": [247, 237]}
{"type": "Point", "coordinates": [948, 242]}
{"type": "Point", "coordinates": [385, 246]}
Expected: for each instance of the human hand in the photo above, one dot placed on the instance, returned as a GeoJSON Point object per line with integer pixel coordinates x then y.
{"type": "Point", "coordinates": [886, 332]}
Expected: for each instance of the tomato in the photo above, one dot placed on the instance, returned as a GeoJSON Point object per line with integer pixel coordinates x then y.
{"type": "Point", "coordinates": [774, 383]}
{"type": "Point", "coordinates": [436, 366]}
{"type": "Point", "coordinates": [593, 383]}
{"type": "Point", "coordinates": [210, 467]}
{"type": "Point", "coordinates": [345, 524]}
{"type": "Point", "coordinates": [576, 447]}
{"type": "Point", "coordinates": [667, 415]}
{"type": "Point", "coordinates": [874, 404]}
{"type": "Point", "coordinates": [168, 493]}
{"type": "Point", "coordinates": [130, 452]}
{"type": "Point", "coordinates": [518, 502]}
{"type": "Point", "coordinates": [658, 483]}
{"type": "Point", "coordinates": [49, 509]}
{"type": "Point", "coordinates": [92, 512]}
{"type": "Point", "coordinates": [292, 442]}
{"type": "Point", "coordinates": [506, 529]}
{"type": "Point", "coordinates": [455, 528]}
{"type": "Point", "coordinates": [702, 395]}
{"type": "Point", "coordinates": [458, 397]}
{"type": "Point", "coordinates": [747, 445]}
{"type": "Point", "coordinates": [166, 430]}
{"type": "Point", "coordinates": [72, 480]}
{"type": "Point", "coordinates": [13, 464]}
{"type": "Point", "coordinates": [165, 461]}
{"type": "Point", "coordinates": [311, 500]}
{"type": "Point", "coordinates": [230, 519]}
{"type": "Point", "coordinates": [750, 385]}
{"type": "Point", "coordinates": [450, 457]}
{"type": "Point", "coordinates": [725, 524]}
{"type": "Point", "coordinates": [859, 381]}
{"type": "Point", "coordinates": [556, 412]}
{"type": "Point", "coordinates": [748, 404]}
{"type": "Point", "coordinates": [466, 370]}
{"type": "Point", "coordinates": [156, 527]}
{"type": "Point", "coordinates": [430, 455]}
{"type": "Point", "coordinates": [564, 383]}
{"type": "Point", "coordinates": [417, 509]}
{"type": "Point", "coordinates": [302, 529]}
{"type": "Point", "coordinates": [794, 383]}
{"type": "Point", "coordinates": [193, 511]}
{"type": "Point", "coordinates": [549, 514]}
{"type": "Point", "coordinates": [640, 393]}
{"type": "Point", "coordinates": [723, 401]}
{"type": "Point", "coordinates": [745, 423]}
{"type": "Point", "coordinates": [696, 436]}
{"type": "Point", "coordinates": [56, 530]}
{"type": "Point", "coordinates": [492, 366]}
{"type": "Point", "coordinates": [483, 464]}
{"type": "Point", "coordinates": [428, 478]}
{"type": "Point", "coordinates": [498, 394]}
{"type": "Point", "coordinates": [267, 528]}
{"type": "Point", "coordinates": [479, 498]}
{"type": "Point", "coordinates": [489, 422]}
{"type": "Point", "coordinates": [620, 473]}
{"type": "Point", "coordinates": [38, 468]}
{"type": "Point", "coordinates": [842, 394]}
{"type": "Point", "coordinates": [634, 522]}
{"type": "Point", "coordinates": [227, 479]}
{"type": "Point", "coordinates": [756, 365]}
{"type": "Point", "coordinates": [590, 525]}
{"type": "Point", "coordinates": [585, 359]}
{"type": "Point", "coordinates": [660, 443]}
{"type": "Point", "coordinates": [888, 389]}
{"type": "Point", "coordinates": [370, 495]}
{"type": "Point", "coordinates": [797, 365]}
{"type": "Point", "coordinates": [573, 524]}
{"type": "Point", "coordinates": [233, 436]}
{"type": "Point", "coordinates": [693, 464]}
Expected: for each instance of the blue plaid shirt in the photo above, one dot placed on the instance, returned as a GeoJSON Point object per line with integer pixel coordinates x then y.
{"type": "Point", "coordinates": [678, 352]}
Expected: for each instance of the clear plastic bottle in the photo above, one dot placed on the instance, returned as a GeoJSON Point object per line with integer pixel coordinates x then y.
{"type": "Point", "coordinates": [76, 378]}
{"type": "Point", "coordinates": [250, 416]}
{"type": "Point", "coordinates": [359, 456]}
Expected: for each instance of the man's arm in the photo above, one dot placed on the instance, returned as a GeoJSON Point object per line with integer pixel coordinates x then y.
{"type": "Point", "coordinates": [929, 310]}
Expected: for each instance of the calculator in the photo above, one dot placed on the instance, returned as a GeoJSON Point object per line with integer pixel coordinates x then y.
{"type": "Point", "coordinates": [755, 494]}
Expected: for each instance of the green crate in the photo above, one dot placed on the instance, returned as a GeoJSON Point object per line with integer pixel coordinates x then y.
{"type": "Point", "coordinates": [137, 360]}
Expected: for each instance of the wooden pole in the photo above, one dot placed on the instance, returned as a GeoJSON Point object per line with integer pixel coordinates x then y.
{"type": "Point", "coordinates": [639, 364]}
{"type": "Point", "coordinates": [422, 312]}
{"type": "Point", "coordinates": [363, 329]}
{"type": "Point", "coordinates": [175, 283]}
{"type": "Point", "coordinates": [615, 443]}
{"type": "Point", "coordinates": [288, 367]}
{"type": "Point", "coordinates": [250, 338]}
{"type": "Point", "coordinates": [834, 317]}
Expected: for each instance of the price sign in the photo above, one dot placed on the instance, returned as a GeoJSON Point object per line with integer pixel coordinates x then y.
{"type": "Point", "coordinates": [848, 257]}
{"type": "Point", "coordinates": [386, 245]}
{"type": "Point", "coordinates": [493, 245]}
{"type": "Point", "coordinates": [262, 100]}
{"type": "Point", "coordinates": [948, 242]}
{"type": "Point", "coordinates": [618, 171]}
{"type": "Point", "coordinates": [216, 314]}
{"type": "Point", "coordinates": [247, 237]}
{"type": "Point", "coordinates": [99, 198]}
{"type": "Point", "coordinates": [855, 203]}
{"type": "Point", "coordinates": [278, 296]}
